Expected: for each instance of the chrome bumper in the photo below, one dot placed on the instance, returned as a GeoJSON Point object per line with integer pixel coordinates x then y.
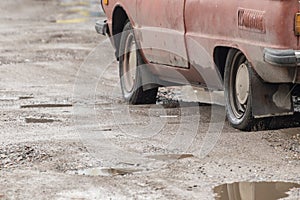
{"type": "Point", "coordinates": [285, 58]}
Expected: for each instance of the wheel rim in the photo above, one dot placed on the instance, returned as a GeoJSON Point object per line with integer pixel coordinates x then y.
{"type": "Point", "coordinates": [242, 84]}
{"type": "Point", "coordinates": [239, 85]}
{"type": "Point", "coordinates": [130, 63]}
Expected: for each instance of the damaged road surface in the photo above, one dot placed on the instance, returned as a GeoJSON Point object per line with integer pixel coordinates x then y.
{"type": "Point", "coordinates": [67, 133]}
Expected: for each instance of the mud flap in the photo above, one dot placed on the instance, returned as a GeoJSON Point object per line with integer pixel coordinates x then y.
{"type": "Point", "coordinates": [270, 99]}
{"type": "Point", "coordinates": [149, 80]}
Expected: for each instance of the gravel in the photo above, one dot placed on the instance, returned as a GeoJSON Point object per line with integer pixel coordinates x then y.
{"type": "Point", "coordinates": [16, 155]}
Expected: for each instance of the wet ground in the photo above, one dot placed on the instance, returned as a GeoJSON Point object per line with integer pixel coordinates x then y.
{"type": "Point", "coordinates": [66, 132]}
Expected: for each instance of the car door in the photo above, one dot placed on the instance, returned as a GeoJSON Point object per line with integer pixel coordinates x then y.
{"type": "Point", "coordinates": [161, 30]}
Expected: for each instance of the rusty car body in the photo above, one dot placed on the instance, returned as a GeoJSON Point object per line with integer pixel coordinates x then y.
{"type": "Point", "coordinates": [249, 49]}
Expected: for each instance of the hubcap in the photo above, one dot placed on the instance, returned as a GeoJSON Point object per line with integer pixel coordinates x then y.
{"type": "Point", "coordinates": [242, 84]}
{"type": "Point", "coordinates": [130, 63]}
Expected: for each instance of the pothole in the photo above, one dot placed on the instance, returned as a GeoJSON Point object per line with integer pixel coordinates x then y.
{"type": "Point", "coordinates": [104, 171]}
{"type": "Point", "coordinates": [30, 120]}
{"type": "Point", "coordinates": [254, 190]}
{"type": "Point", "coordinates": [165, 157]}
{"type": "Point", "coordinates": [25, 97]}
{"type": "Point", "coordinates": [46, 106]}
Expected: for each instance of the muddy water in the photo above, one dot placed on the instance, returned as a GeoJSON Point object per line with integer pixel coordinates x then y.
{"type": "Point", "coordinates": [100, 171]}
{"type": "Point", "coordinates": [254, 190]}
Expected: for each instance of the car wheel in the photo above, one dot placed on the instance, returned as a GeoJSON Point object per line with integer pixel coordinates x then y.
{"type": "Point", "coordinates": [237, 83]}
{"type": "Point", "coordinates": [130, 73]}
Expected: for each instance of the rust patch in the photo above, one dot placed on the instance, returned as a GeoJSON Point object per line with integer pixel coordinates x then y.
{"type": "Point", "coordinates": [253, 20]}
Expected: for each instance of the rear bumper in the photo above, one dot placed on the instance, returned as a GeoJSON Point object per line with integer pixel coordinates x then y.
{"type": "Point", "coordinates": [101, 27]}
{"type": "Point", "coordinates": [284, 65]}
{"type": "Point", "coordinates": [284, 58]}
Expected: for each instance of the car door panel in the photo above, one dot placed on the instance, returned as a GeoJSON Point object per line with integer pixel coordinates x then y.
{"type": "Point", "coordinates": [162, 35]}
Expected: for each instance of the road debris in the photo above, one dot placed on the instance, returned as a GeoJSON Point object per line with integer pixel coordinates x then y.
{"type": "Point", "coordinates": [16, 155]}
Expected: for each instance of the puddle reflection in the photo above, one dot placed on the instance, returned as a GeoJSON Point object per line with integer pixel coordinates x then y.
{"type": "Point", "coordinates": [254, 191]}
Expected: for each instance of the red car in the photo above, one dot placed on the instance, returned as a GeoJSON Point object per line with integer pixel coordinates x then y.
{"type": "Point", "coordinates": [249, 49]}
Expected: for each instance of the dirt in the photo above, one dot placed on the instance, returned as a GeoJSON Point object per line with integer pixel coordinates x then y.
{"type": "Point", "coordinates": [62, 112]}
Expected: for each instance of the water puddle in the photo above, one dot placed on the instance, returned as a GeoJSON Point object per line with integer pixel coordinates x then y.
{"type": "Point", "coordinates": [254, 190]}
{"type": "Point", "coordinates": [105, 171]}
{"type": "Point", "coordinates": [40, 120]}
{"type": "Point", "coordinates": [46, 106]}
{"type": "Point", "coordinates": [103, 130]}
{"type": "Point", "coordinates": [168, 116]}
{"type": "Point", "coordinates": [165, 157]}
{"type": "Point", "coordinates": [25, 97]}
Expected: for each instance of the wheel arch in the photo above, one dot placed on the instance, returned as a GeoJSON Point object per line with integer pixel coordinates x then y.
{"type": "Point", "coordinates": [220, 55]}
{"type": "Point", "coordinates": [119, 19]}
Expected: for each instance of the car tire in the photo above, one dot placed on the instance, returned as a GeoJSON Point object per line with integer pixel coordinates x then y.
{"type": "Point", "coordinates": [130, 61]}
{"type": "Point", "coordinates": [237, 91]}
